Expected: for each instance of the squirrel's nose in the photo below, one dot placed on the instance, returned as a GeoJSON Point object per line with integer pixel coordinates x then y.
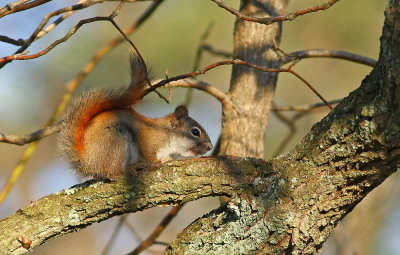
{"type": "Point", "coordinates": [209, 147]}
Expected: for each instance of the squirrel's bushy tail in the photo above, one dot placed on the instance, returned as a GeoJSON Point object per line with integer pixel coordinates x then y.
{"type": "Point", "coordinates": [92, 103]}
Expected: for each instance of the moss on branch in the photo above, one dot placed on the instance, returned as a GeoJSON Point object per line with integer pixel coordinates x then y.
{"type": "Point", "coordinates": [170, 183]}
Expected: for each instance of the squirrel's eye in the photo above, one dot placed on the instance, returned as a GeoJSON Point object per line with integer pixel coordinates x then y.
{"type": "Point", "coordinates": [195, 131]}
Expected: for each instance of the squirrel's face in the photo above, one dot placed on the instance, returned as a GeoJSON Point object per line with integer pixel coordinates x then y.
{"type": "Point", "coordinates": [202, 141]}
{"type": "Point", "coordinates": [189, 139]}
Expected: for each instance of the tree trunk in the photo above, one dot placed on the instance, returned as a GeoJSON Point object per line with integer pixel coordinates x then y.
{"type": "Point", "coordinates": [316, 184]}
{"type": "Point", "coordinates": [288, 205]}
{"type": "Point", "coordinates": [244, 122]}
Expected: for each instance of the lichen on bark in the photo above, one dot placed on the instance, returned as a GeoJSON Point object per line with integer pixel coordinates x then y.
{"type": "Point", "coordinates": [342, 158]}
{"type": "Point", "coordinates": [287, 205]}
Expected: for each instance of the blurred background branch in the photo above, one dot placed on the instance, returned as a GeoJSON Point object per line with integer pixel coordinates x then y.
{"type": "Point", "coordinates": [171, 44]}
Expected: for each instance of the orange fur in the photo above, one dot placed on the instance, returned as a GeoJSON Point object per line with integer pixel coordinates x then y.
{"type": "Point", "coordinates": [102, 135]}
{"type": "Point", "coordinates": [132, 95]}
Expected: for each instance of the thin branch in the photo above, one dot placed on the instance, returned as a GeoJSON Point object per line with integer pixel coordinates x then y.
{"type": "Point", "coordinates": [309, 85]}
{"type": "Point", "coordinates": [103, 51]}
{"type": "Point", "coordinates": [38, 33]}
{"type": "Point", "coordinates": [24, 139]}
{"type": "Point", "coordinates": [304, 108]}
{"type": "Point", "coordinates": [314, 53]}
{"type": "Point", "coordinates": [71, 32]}
{"type": "Point", "coordinates": [290, 123]}
{"type": "Point", "coordinates": [157, 231]}
{"type": "Point", "coordinates": [38, 30]}
{"type": "Point", "coordinates": [186, 83]}
{"type": "Point", "coordinates": [9, 40]}
{"type": "Point", "coordinates": [16, 3]}
{"type": "Point", "coordinates": [32, 147]}
{"type": "Point", "coordinates": [200, 85]}
{"type": "Point", "coordinates": [138, 237]}
{"type": "Point", "coordinates": [321, 53]}
{"type": "Point", "coordinates": [17, 7]}
{"type": "Point", "coordinates": [161, 243]}
{"type": "Point", "coordinates": [199, 54]}
{"type": "Point", "coordinates": [144, 191]}
{"type": "Point", "coordinates": [292, 130]}
{"type": "Point", "coordinates": [278, 49]}
{"type": "Point", "coordinates": [18, 170]}
{"type": "Point", "coordinates": [114, 234]}
{"type": "Point", "coordinates": [239, 62]}
{"type": "Point", "coordinates": [140, 56]}
{"type": "Point", "coordinates": [215, 52]}
{"type": "Point", "coordinates": [69, 89]}
{"type": "Point", "coordinates": [57, 22]}
{"type": "Point", "coordinates": [270, 20]}
{"type": "Point", "coordinates": [133, 231]}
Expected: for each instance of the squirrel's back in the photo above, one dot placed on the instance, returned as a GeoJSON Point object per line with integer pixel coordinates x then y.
{"type": "Point", "coordinates": [102, 135]}
{"type": "Point", "coordinates": [88, 106]}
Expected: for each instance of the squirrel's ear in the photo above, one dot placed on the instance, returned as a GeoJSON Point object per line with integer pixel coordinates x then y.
{"type": "Point", "coordinates": [181, 111]}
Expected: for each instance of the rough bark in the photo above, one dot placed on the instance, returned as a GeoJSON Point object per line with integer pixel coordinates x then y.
{"type": "Point", "coordinates": [251, 91]}
{"type": "Point", "coordinates": [343, 157]}
{"type": "Point", "coordinates": [172, 183]}
{"type": "Point", "coordinates": [289, 205]}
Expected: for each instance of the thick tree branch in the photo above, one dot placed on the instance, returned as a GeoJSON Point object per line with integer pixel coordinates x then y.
{"type": "Point", "coordinates": [345, 156]}
{"type": "Point", "coordinates": [69, 89]}
{"type": "Point", "coordinates": [171, 183]}
{"type": "Point", "coordinates": [287, 206]}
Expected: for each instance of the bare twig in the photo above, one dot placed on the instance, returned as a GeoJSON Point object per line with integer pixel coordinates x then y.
{"type": "Point", "coordinates": [140, 56]}
{"type": "Point", "coordinates": [38, 31]}
{"type": "Point", "coordinates": [200, 85]}
{"type": "Point", "coordinates": [54, 44]}
{"type": "Point", "coordinates": [239, 62]}
{"type": "Point", "coordinates": [314, 53]}
{"type": "Point", "coordinates": [24, 139]}
{"type": "Point", "coordinates": [69, 88]}
{"type": "Point", "coordinates": [186, 83]}
{"type": "Point", "coordinates": [157, 231]}
{"type": "Point", "coordinates": [270, 20]}
{"type": "Point", "coordinates": [114, 234]}
{"type": "Point", "coordinates": [58, 21]}
{"type": "Point", "coordinates": [16, 3]}
{"type": "Point", "coordinates": [9, 40]}
{"type": "Point", "coordinates": [303, 108]}
{"type": "Point", "coordinates": [215, 52]}
{"type": "Point", "coordinates": [292, 129]}
{"type": "Point", "coordinates": [290, 122]}
{"type": "Point", "coordinates": [20, 6]}
{"type": "Point", "coordinates": [133, 230]}
{"type": "Point", "coordinates": [161, 243]}
{"type": "Point", "coordinates": [109, 46]}
{"type": "Point", "coordinates": [320, 53]}
{"type": "Point", "coordinates": [199, 54]}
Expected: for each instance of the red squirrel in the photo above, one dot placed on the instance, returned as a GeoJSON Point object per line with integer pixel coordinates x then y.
{"type": "Point", "coordinates": [102, 135]}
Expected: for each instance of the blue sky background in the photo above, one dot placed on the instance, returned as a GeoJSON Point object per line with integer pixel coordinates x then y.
{"type": "Point", "coordinates": [29, 91]}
